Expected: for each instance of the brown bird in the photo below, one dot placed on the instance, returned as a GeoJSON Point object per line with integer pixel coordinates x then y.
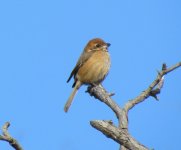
{"type": "Point", "coordinates": [91, 68]}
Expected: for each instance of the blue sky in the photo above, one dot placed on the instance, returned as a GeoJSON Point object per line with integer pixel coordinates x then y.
{"type": "Point", "coordinates": [40, 43]}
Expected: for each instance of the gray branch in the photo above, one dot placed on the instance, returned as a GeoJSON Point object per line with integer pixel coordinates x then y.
{"type": "Point", "coordinates": [7, 137]}
{"type": "Point", "coordinates": [120, 134]}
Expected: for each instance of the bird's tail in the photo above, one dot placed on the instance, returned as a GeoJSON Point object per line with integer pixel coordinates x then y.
{"type": "Point", "coordinates": [70, 99]}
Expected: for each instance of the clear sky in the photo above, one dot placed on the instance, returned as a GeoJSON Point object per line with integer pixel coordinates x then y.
{"type": "Point", "coordinates": [40, 42]}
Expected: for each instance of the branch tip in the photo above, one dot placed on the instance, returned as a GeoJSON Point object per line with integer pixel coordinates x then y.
{"type": "Point", "coordinates": [164, 67]}
{"type": "Point", "coordinates": [111, 94]}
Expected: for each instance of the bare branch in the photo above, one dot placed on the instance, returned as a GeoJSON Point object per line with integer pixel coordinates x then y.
{"type": "Point", "coordinates": [157, 90]}
{"type": "Point", "coordinates": [7, 137]}
{"type": "Point", "coordinates": [100, 93]}
{"type": "Point", "coordinates": [120, 136]}
{"type": "Point", "coordinates": [173, 68]}
{"type": "Point", "coordinates": [149, 91]}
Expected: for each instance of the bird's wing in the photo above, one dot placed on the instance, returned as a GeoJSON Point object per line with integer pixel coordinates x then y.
{"type": "Point", "coordinates": [83, 58]}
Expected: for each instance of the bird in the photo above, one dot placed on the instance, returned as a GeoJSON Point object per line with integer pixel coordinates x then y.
{"type": "Point", "coordinates": [91, 68]}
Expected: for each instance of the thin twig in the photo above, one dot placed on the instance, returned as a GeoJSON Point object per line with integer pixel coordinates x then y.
{"type": "Point", "coordinates": [173, 68]}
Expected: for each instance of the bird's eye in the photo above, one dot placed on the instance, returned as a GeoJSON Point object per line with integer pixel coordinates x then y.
{"type": "Point", "coordinates": [98, 45]}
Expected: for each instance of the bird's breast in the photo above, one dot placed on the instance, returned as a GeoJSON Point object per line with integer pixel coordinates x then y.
{"type": "Point", "coordinates": [95, 68]}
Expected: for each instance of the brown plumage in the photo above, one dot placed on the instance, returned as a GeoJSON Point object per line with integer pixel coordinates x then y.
{"type": "Point", "coordinates": [91, 68]}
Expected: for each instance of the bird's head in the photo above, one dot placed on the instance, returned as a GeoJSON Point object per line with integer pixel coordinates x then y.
{"type": "Point", "coordinates": [96, 44]}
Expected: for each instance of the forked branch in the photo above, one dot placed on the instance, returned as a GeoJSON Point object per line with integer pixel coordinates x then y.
{"type": "Point", "coordinates": [7, 137]}
{"type": "Point", "coordinates": [150, 91]}
{"type": "Point", "coordinates": [120, 133]}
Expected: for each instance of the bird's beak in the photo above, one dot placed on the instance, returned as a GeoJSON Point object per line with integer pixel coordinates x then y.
{"type": "Point", "coordinates": [108, 44]}
{"type": "Point", "coordinates": [105, 47]}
